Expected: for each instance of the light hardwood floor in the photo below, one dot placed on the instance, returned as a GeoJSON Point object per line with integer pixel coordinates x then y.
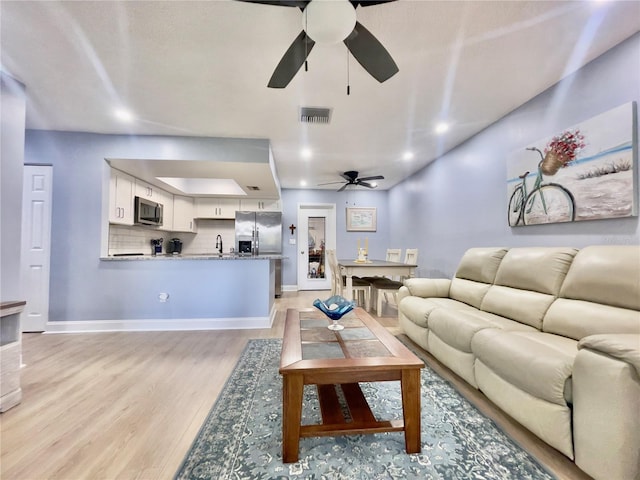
{"type": "Point", "coordinates": [128, 405]}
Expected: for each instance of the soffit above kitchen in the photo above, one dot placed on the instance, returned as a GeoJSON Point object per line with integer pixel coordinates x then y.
{"type": "Point", "coordinates": [201, 69]}
{"type": "Point", "coordinates": [199, 178]}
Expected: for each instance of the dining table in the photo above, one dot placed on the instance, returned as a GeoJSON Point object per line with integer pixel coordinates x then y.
{"type": "Point", "coordinates": [372, 268]}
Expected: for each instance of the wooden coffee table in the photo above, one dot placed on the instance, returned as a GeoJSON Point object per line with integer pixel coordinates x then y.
{"type": "Point", "coordinates": [363, 352]}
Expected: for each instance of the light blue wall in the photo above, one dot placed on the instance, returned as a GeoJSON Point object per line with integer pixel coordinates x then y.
{"type": "Point", "coordinates": [455, 203]}
{"type": "Point", "coordinates": [346, 242]}
{"type": "Point", "coordinates": [459, 201]}
{"type": "Point", "coordinates": [85, 288]}
{"type": "Point", "coordinates": [11, 173]}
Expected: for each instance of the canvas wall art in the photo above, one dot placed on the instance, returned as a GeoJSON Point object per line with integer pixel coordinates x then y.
{"type": "Point", "coordinates": [585, 172]}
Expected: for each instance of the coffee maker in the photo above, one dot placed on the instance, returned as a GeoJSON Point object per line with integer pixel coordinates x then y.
{"type": "Point", "coordinates": [174, 246]}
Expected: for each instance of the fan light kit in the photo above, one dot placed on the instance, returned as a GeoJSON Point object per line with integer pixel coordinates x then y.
{"type": "Point", "coordinates": [328, 21]}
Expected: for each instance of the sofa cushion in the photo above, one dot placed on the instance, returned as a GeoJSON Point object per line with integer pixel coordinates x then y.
{"type": "Point", "coordinates": [577, 319]}
{"type": "Point", "coordinates": [457, 328]}
{"type": "Point", "coordinates": [468, 291]}
{"type": "Point", "coordinates": [476, 272]}
{"type": "Point", "coordinates": [599, 295]}
{"type": "Point", "coordinates": [428, 287]}
{"type": "Point", "coordinates": [418, 310]}
{"type": "Point", "coordinates": [527, 282]}
{"type": "Point", "coordinates": [523, 306]}
{"type": "Point", "coordinates": [480, 264]}
{"type": "Point", "coordinates": [540, 269]}
{"type": "Point", "coordinates": [535, 362]}
{"type": "Point", "coordinates": [605, 274]}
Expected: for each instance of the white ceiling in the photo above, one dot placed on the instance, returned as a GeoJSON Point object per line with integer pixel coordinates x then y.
{"type": "Point", "coordinates": [201, 69]}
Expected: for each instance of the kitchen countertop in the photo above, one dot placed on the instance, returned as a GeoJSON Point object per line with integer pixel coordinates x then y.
{"type": "Point", "coordinates": [196, 256]}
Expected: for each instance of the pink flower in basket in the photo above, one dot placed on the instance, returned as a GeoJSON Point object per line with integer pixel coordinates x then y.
{"type": "Point", "coordinates": [566, 146]}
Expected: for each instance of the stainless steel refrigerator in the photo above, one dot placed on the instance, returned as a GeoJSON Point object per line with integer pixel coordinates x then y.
{"type": "Point", "coordinates": [260, 233]}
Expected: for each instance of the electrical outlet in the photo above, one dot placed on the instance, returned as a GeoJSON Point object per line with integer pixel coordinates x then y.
{"type": "Point", "coordinates": [163, 297]}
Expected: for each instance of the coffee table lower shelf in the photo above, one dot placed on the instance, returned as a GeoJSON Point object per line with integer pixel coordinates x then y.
{"type": "Point", "coordinates": [333, 421]}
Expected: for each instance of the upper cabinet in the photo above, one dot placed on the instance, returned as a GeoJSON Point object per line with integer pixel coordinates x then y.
{"type": "Point", "coordinates": [217, 207]}
{"type": "Point", "coordinates": [146, 190]}
{"type": "Point", "coordinates": [121, 188]}
{"type": "Point", "coordinates": [166, 200]}
{"type": "Point", "coordinates": [183, 214]}
{"type": "Point", "coordinates": [257, 205]}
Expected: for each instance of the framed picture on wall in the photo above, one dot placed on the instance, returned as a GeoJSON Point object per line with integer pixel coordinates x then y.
{"type": "Point", "coordinates": [584, 172]}
{"type": "Point", "coordinates": [361, 219]}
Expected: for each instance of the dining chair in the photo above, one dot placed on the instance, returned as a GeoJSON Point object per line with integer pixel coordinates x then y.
{"type": "Point", "coordinates": [384, 288]}
{"type": "Point", "coordinates": [339, 282]}
{"type": "Point", "coordinates": [393, 255]}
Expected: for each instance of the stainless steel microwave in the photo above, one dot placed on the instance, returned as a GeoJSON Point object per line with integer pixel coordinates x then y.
{"type": "Point", "coordinates": [147, 212]}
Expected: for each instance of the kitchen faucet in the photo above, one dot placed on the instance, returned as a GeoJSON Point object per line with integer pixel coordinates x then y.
{"type": "Point", "coordinates": [219, 244]}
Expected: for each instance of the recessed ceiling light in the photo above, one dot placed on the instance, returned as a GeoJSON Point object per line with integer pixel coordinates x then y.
{"type": "Point", "coordinates": [407, 156]}
{"type": "Point", "coordinates": [441, 127]}
{"type": "Point", "coordinates": [123, 115]}
{"type": "Point", "coordinates": [303, 183]}
{"type": "Point", "coordinates": [305, 153]}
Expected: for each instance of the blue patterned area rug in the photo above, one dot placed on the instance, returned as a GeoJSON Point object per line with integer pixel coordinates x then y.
{"type": "Point", "coordinates": [242, 435]}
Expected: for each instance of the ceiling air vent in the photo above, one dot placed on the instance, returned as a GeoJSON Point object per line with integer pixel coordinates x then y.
{"type": "Point", "coordinates": [314, 115]}
{"type": "Point", "coordinates": [253, 188]}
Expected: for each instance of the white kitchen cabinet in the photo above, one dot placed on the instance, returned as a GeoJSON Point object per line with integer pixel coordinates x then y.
{"type": "Point", "coordinates": [260, 205]}
{"type": "Point", "coordinates": [183, 214]}
{"type": "Point", "coordinates": [121, 198]}
{"type": "Point", "coordinates": [146, 190]}
{"type": "Point", "coordinates": [217, 207]}
{"type": "Point", "coordinates": [166, 200]}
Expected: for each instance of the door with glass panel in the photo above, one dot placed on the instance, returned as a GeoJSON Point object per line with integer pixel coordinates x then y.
{"type": "Point", "coordinates": [316, 234]}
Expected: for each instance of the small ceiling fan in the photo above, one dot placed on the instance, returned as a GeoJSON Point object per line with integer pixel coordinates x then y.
{"type": "Point", "coordinates": [351, 178]}
{"type": "Point", "coordinates": [331, 21]}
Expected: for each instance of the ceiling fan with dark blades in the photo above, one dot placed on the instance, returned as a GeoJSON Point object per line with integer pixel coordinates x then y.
{"type": "Point", "coordinates": [318, 14]}
{"type": "Point", "coordinates": [351, 178]}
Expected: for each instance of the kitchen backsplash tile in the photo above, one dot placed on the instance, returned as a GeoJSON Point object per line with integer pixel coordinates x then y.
{"type": "Point", "coordinates": [133, 239]}
{"type": "Point", "coordinates": [205, 240]}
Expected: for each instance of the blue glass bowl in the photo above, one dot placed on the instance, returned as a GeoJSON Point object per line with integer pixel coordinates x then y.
{"type": "Point", "coordinates": [342, 306]}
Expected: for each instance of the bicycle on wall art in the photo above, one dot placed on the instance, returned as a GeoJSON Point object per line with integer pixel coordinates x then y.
{"type": "Point", "coordinates": [585, 172]}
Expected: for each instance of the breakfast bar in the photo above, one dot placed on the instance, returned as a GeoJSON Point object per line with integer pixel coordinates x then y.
{"type": "Point", "coordinates": [190, 292]}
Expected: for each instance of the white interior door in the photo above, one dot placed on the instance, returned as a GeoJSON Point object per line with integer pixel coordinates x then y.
{"type": "Point", "coordinates": [316, 234]}
{"type": "Point", "coordinates": [36, 246]}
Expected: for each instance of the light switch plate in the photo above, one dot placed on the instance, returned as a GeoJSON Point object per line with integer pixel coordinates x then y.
{"type": "Point", "coordinates": [292, 241]}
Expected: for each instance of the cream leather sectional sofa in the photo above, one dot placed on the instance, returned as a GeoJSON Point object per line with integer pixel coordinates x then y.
{"type": "Point", "coordinates": [551, 336]}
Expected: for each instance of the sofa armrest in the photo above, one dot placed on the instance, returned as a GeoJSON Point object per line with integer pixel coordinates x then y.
{"type": "Point", "coordinates": [606, 402]}
{"type": "Point", "coordinates": [622, 346]}
{"type": "Point", "coordinates": [428, 287]}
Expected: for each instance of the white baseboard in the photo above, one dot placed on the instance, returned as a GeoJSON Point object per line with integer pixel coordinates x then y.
{"type": "Point", "coordinates": [162, 324]}
{"type": "Point", "coordinates": [289, 288]}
